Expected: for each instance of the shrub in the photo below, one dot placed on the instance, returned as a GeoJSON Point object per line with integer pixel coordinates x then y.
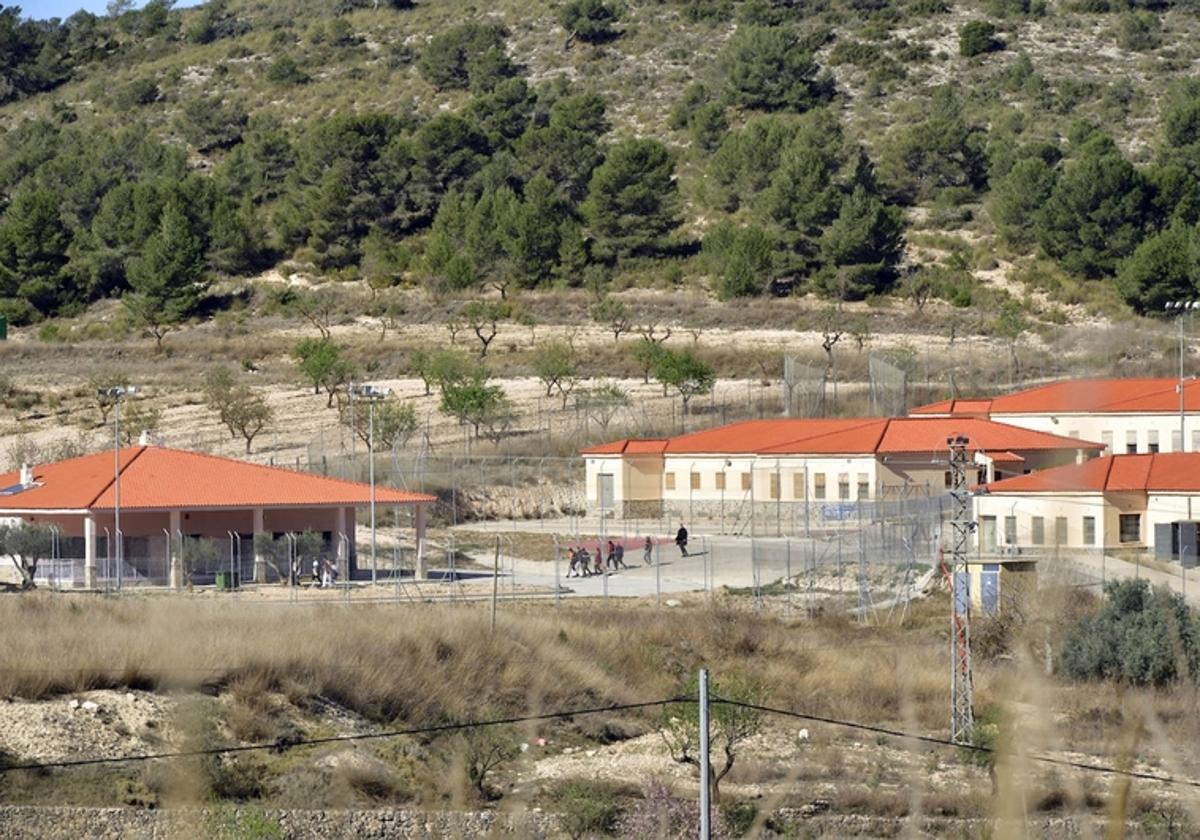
{"type": "Point", "coordinates": [590, 20]}
{"type": "Point", "coordinates": [456, 57]}
{"type": "Point", "coordinates": [591, 807]}
{"type": "Point", "coordinates": [1141, 636]}
{"type": "Point", "coordinates": [978, 37]}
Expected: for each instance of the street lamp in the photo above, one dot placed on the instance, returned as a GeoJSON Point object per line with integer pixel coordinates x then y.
{"type": "Point", "coordinates": [114, 394]}
{"type": "Point", "coordinates": [372, 394]}
{"type": "Point", "coordinates": [1180, 307]}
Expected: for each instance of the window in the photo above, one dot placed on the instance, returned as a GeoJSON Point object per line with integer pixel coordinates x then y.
{"type": "Point", "coordinates": [864, 486]}
{"type": "Point", "coordinates": [745, 481]}
{"type": "Point", "coordinates": [1107, 439]}
{"type": "Point", "coordinates": [1037, 530]}
{"type": "Point", "coordinates": [1060, 530]}
{"type": "Point", "coordinates": [1131, 527]}
{"type": "Point", "coordinates": [1195, 440]}
{"type": "Point", "coordinates": [1130, 443]}
{"type": "Point", "coordinates": [670, 477]}
{"type": "Point", "coordinates": [695, 481]}
{"type": "Point", "coordinates": [1010, 530]}
{"type": "Point", "coordinates": [1089, 530]}
{"type": "Point", "coordinates": [721, 480]}
{"type": "Point", "coordinates": [798, 485]}
{"type": "Point", "coordinates": [844, 486]}
{"type": "Point", "coordinates": [1073, 433]}
{"type": "Point", "coordinates": [1152, 441]}
{"type": "Point", "coordinates": [774, 490]}
{"type": "Point", "coordinates": [949, 479]}
{"type": "Point", "coordinates": [1176, 440]}
{"type": "Point", "coordinates": [819, 486]}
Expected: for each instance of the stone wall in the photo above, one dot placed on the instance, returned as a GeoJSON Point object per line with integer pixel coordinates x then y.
{"type": "Point", "coordinates": [136, 824]}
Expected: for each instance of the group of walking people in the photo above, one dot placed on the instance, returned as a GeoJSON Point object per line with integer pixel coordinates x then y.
{"type": "Point", "coordinates": [585, 564]}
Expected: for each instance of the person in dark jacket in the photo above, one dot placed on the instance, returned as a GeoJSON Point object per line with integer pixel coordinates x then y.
{"type": "Point", "coordinates": [681, 538]}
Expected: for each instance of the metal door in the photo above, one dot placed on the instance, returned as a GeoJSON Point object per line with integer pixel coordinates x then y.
{"type": "Point", "coordinates": [605, 490]}
{"type": "Point", "coordinates": [987, 533]}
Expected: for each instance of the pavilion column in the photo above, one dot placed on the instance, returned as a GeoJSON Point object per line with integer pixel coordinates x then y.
{"type": "Point", "coordinates": [175, 572]}
{"type": "Point", "coordinates": [89, 552]}
{"type": "Point", "coordinates": [420, 572]}
{"type": "Point", "coordinates": [260, 560]}
{"type": "Point", "coordinates": [343, 543]}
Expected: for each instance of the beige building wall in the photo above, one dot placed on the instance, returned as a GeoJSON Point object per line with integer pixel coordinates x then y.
{"type": "Point", "coordinates": [1142, 430]}
{"type": "Point", "coordinates": [1049, 508]}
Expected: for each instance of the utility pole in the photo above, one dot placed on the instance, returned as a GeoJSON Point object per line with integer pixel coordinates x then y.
{"type": "Point", "coordinates": [962, 713]}
{"type": "Point", "coordinates": [1181, 307]}
{"type": "Point", "coordinates": [705, 766]}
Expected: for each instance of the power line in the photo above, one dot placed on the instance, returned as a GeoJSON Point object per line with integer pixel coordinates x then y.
{"type": "Point", "coordinates": [284, 744]}
{"type": "Point", "coordinates": [943, 742]}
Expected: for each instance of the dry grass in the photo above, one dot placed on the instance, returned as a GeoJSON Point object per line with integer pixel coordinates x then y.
{"type": "Point", "coordinates": [426, 665]}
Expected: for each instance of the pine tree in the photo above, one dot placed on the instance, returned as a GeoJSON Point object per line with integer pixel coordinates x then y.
{"type": "Point", "coordinates": [864, 244]}
{"type": "Point", "coordinates": [633, 200]}
{"type": "Point", "coordinates": [1164, 267]}
{"type": "Point", "coordinates": [33, 251]}
{"type": "Point", "coordinates": [167, 280]}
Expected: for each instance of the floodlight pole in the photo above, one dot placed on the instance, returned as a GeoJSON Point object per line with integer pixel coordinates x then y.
{"type": "Point", "coordinates": [372, 394]}
{"type": "Point", "coordinates": [1181, 306]}
{"type": "Point", "coordinates": [115, 393]}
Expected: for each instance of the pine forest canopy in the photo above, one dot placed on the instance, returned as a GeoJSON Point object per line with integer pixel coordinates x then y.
{"type": "Point", "coordinates": [148, 152]}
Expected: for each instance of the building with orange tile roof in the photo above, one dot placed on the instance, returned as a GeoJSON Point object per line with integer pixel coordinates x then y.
{"type": "Point", "coordinates": [806, 463]}
{"type": "Point", "coordinates": [168, 496]}
{"type": "Point", "coordinates": [1139, 415]}
{"type": "Point", "coordinates": [1129, 502]}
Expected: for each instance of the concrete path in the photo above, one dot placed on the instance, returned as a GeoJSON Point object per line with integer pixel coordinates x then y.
{"type": "Point", "coordinates": [1104, 568]}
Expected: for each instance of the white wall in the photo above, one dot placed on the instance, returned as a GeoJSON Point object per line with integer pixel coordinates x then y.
{"type": "Point", "coordinates": [1092, 427]}
{"type": "Point", "coordinates": [1073, 506]}
{"type": "Point", "coordinates": [762, 470]}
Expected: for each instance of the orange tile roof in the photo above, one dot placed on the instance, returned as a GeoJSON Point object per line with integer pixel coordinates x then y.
{"type": "Point", "coordinates": [628, 446]}
{"type": "Point", "coordinates": [1147, 473]}
{"type": "Point", "coordinates": [864, 435]}
{"type": "Point", "coordinates": [158, 478]}
{"type": "Point", "coordinates": [1078, 396]}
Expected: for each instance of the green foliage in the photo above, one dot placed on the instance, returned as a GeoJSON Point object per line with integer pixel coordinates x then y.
{"type": "Point", "coordinates": [770, 68]}
{"type": "Point", "coordinates": [395, 423]}
{"type": "Point", "coordinates": [729, 725]}
{"type": "Point", "coordinates": [746, 160]}
{"type": "Point", "coordinates": [1018, 196]}
{"type": "Point", "coordinates": [633, 199]}
{"type": "Point", "coordinates": [743, 259]}
{"type": "Point", "coordinates": [685, 372]}
{"type": "Point", "coordinates": [209, 123]}
{"type": "Point", "coordinates": [321, 362]}
{"type": "Point", "coordinates": [1141, 636]}
{"type": "Point", "coordinates": [588, 807]}
{"type": "Point", "coordinates": [978, 37]}
{"type": "Point", "coordinates": [943, 150]}
{"type": "Point", "coordinates": [475, 402]}
{"type": "Point", "coordinates": [33, 252]}
{"type": "Point", "coordinates": [614, 315]}
{"type": "Point", "coordinates": [1096, 212]}
{"type": "Point", "coordinates": [471, 55]}
{"type": "Point", "coordinates": [590, 20]}
{"type": "Point", "coordinates": [167, 280]}
{"type": "Point", "coordinates": [1164, 267]}
{"type": "Point", "coordinates": [1140, 32]}
{"type": "Point", "coordinates": [285, 71]}
{"type": "Point", "coordinates": [556, 364]}
{"type": "Point", "coordinates": [241, 409]}
{"type": "Point", "coordinates": [863, 245]}
{"type": "Point", "coordinates": [28, 544]}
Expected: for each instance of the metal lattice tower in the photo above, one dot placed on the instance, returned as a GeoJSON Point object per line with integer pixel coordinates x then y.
{"type": "Point", "coordinates": [962, 714]}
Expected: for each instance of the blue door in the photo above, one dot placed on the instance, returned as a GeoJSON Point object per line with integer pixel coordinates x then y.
{"type": "Point", "coordinates": [990, 588]}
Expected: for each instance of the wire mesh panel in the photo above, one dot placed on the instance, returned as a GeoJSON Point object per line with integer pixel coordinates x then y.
{"type": "Point", "coordinates": [803, 389]}
{"type": "Point", "coordinates": [888, 388]}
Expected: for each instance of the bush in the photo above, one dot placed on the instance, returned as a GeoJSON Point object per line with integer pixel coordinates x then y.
{"type": "Point", "coordinates": [590, 20]}
{"type": "Point", "coordinates": [1141, 636]}
{"type": "Point", "coordinates": [590, 807]}
{"type": "Point", "coordinates": [978, 37]}
{"type": "Point", "coordinates": [465, 56]}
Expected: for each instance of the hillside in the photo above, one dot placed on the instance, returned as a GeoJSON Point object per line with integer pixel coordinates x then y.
{"type": "Point", "coordinates": [1015, 158]}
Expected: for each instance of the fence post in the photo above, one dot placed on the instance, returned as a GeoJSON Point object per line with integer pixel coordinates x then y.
{"type": "Point", "coordinates": [495, 582]}
{"type": "Point", "coordinates": [705, 805]}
